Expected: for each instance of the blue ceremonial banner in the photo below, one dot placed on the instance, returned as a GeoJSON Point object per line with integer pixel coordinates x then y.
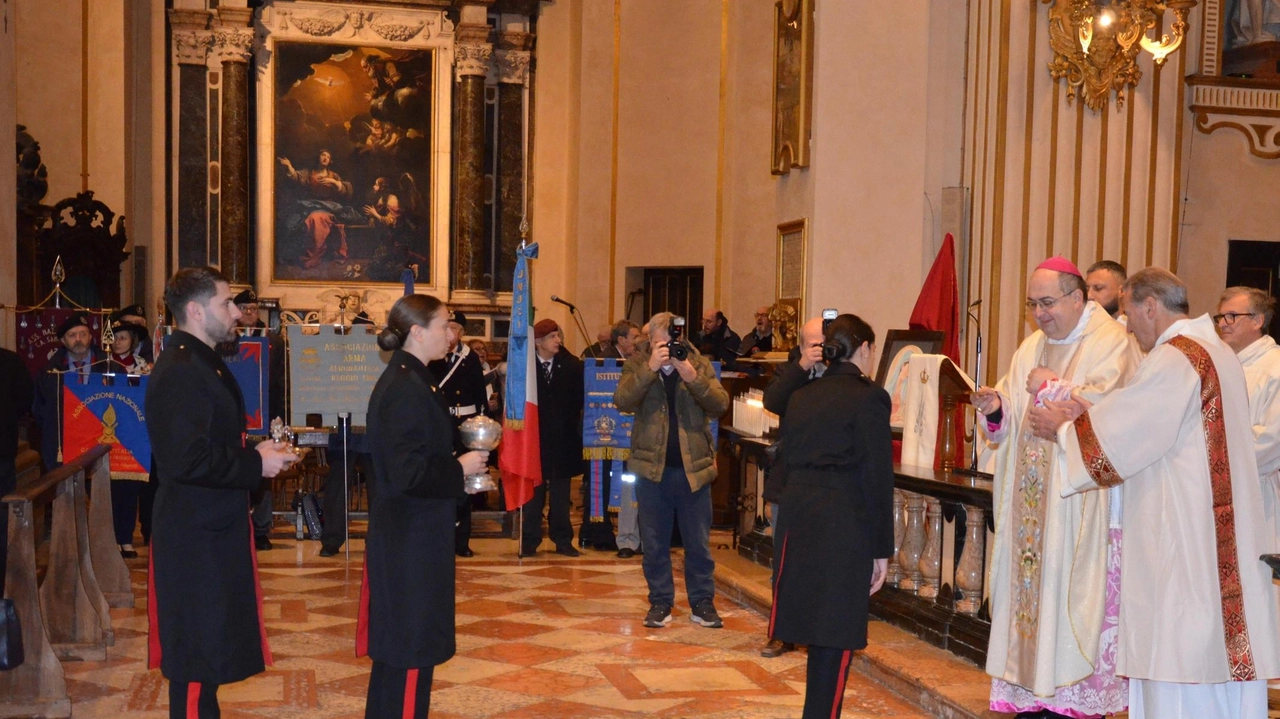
{"type": "Point", "coordinates": [606, 432]}
{"type": "Point", "coordinates": [112, 414]}
{"type": "Point", "coordinates": [250, 366]}
{"type": "Point", "coordinates": [518, 337]}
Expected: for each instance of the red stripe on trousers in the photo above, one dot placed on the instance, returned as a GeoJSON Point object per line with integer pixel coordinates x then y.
{"type": "Point", "coordinates": [193, 700]}
{"type": "Point", "coordinates": [153, 615]}
{"type": "Point", "coordinates": [410, 693]}
{"type": "Point", "coordinates": [782, 559]}
{"type": "Point", "coordinates": [257, 591]}
{"type": "Point", "coordinates": [844, 675]}
{"type": "Point", "coordinates": [362, 614]}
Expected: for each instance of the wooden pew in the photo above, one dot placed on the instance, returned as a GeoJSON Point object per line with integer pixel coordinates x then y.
{"type": "Point", "coordinates": [67, 616]}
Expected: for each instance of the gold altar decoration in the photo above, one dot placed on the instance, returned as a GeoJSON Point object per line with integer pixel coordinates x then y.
{"type": "Point", "coordinates": [1096, 43]}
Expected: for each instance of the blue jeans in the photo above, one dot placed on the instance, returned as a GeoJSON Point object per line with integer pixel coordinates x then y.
{"type": "Point", "coordinates": [660, 504]}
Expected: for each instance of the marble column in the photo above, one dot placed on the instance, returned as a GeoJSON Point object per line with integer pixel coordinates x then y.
{"type": "Point", "coordinates": [471, 65]}
{"type": "Point", "coordinates": [513, 78]}
{"type": "Point", "coordinates": [191, 41]}
{"type": "Point", "coordinates": [233, 47]}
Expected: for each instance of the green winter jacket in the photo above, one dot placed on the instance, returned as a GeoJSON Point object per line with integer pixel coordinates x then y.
{"type": "Point", "coordinates": [640, 391]}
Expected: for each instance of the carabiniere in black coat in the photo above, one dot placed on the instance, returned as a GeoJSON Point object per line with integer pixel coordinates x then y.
{"type": "Point", "coordinates": [206, 611]}
{"type": "Point", "coordinates": [407, 599]}
{"type": "Point", "coordinates": [837, 509]}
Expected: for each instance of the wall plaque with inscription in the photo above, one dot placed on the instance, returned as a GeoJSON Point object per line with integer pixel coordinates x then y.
{"type": "Point", "coordinates": [332, 372]}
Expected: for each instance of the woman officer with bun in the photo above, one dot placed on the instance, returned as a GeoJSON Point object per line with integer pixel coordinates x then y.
{"type": "Point", "coordinates": [835, 533]}
{"type": "Point", "coordinates": [406, 620]}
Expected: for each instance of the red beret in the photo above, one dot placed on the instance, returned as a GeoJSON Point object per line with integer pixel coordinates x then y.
{"type": "Point", "coordinates": [544, 328]}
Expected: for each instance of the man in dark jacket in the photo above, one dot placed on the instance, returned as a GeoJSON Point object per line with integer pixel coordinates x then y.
{"type": "Point", "coordinates": [73, 362]}
{"type": "Point", "coordinates": [462, 385]}
{"type": "Point", "coordinates": [760, 338]}
{"type": "Point", "coordinates": [805, 366]}
{"type": "Point", "coordinates": [717, 342]}
{"type": "Point", "coordinates": [16, 394]}
{"type": "Point", "coordinates": [674, 401]}
{"type": "Point", "coordinates": [206, 615]}
{"type": "Point", "coordinates": [559, 441]}
{"type": "Point", "coordinates": [247, 303]}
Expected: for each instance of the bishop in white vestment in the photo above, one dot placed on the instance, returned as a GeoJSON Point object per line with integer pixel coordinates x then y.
{"type": "Point", "coordinates": [1052, 640]}
{"type": "Point", "coordinates": [1198, 614]}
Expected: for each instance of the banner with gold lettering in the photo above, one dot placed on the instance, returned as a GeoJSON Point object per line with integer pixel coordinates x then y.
{"type": "Point", "coordinates": [104, 411]}
{"type": "Point", "coordinates": [332, 370]}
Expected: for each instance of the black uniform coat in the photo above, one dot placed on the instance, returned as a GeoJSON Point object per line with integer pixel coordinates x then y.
{"type": "Point", "coordinates": [837, 509]}
{"type": "Point", "coordinates": [560, 416]}
{"type": "Point", "coordinates": [786, 380]}
{"type": "Point", "coordinates": [206, 620]}
{"type": "Point", "coordinates": [464, 388]}
{"type": "Point", "coordinates": [407, 598]}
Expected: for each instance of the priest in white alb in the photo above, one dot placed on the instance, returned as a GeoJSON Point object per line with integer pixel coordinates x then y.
{"type": "Point", "coordinates": [1055, 562]}
{"type": "Point", "coordinates": [1198, 614]}
{"type": "Point", "coordinates": [1244, 315]}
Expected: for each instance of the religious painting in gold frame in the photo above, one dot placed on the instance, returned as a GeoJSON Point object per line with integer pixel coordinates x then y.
{"type": "Point", "coordinates": [792, 84]}
{"type": "Point", "coordinates": [793, 239]}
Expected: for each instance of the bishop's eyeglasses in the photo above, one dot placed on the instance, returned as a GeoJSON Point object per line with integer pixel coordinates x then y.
{"type": "Point", "coordinates": [1044, 303]}
{"type": "Point", "coordinates": [1229, 318]}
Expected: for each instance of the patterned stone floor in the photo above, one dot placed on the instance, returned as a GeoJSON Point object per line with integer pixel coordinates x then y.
{"type": "Point", "coordinates": [537, 638]}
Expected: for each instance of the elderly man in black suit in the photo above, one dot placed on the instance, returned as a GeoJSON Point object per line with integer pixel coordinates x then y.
{"type": "Point", "coordinates": [560, 441]}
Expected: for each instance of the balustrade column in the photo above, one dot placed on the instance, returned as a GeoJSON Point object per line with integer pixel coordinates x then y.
{"type": "Point", "coordinates": [912, 544]}
{"type": "Point", "coordinates": [931, 557]}
{"type": "Point", "coordinates": [969, 574]}
{"type": "Point", "coordinates": [894, 575]}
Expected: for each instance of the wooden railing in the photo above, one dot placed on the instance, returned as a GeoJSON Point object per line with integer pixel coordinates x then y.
{"type": "Point", "coordinates": [65, 614]}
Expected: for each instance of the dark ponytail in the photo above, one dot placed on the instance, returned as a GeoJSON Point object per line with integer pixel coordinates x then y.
{"type": "Point", "coordinates": [845, 335]}
{"type": "Point", "coordinates": [408, 311]}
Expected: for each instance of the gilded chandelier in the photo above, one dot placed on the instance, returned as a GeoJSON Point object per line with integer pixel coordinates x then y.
{"type": "Point", "coordinates": [1096, 43]}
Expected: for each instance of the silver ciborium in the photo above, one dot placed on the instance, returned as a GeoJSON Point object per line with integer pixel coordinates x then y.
{"type": "Point", "coordinates": [480, 432]}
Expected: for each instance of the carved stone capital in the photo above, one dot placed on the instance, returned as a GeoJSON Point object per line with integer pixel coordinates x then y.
{"type": "Point", "coordinates": [232, 44]}
{"type": "Point", "coordinates": [513, 66]}
{"type": "Point", "coordinates": [192, 47]}
{"type": "Point", "coordinates": [471, 58]}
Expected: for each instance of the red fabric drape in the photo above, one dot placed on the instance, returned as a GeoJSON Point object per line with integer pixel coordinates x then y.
{"type": "Point", "coordinates": [938, 308]}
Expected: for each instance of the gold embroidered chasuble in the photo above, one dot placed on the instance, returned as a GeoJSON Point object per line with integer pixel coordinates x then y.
{"type": "Point", "coordinates": [1049, 558]}
{"type": "Point", "coordinates": [1197, 607]}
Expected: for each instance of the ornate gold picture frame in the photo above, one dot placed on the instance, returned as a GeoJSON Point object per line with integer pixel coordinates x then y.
{"type": "Point", "coordinates": [793, 239]}
{"type": "Point", "coordinates": [792, 84]}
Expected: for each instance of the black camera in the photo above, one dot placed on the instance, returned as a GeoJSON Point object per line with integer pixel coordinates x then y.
{"type": "Point", "coordinates": [675, 348]}
{"type": "Point", "coordinates": [830, 350]}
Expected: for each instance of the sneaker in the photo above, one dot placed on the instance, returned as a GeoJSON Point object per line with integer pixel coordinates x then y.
{"type": "Point", "coordinates": [659, 616]}
{"type": "Point", "coordinates": [705, 615]}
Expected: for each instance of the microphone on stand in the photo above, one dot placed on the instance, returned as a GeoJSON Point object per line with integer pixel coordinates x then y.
{"type": "Point", "coordinates": [566, 303]}
{"type": "Point", "coordinates": [577, 316]}
{"type": "Point", "coordinates": [973, 460]}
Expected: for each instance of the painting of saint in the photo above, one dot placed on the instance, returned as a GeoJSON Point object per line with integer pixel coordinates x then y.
{"type": "Point", "coordinates": [353, 163]}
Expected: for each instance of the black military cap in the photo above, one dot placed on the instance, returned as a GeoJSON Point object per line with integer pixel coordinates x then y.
{"type": "Point", "coordinates": [246, 297]}
{"type": "Point", "coordinates": [71, 323]}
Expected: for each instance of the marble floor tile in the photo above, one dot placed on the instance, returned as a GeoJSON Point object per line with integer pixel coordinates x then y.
{"type": "Point", "coordinates": [541, 638]}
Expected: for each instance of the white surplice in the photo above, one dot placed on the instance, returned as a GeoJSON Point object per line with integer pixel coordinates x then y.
{"type": "Point", "coordinates": [1071, 564]}
{"type": "Point", "coordinates": [1261, 361]}
{"type": "Point", "coordinates": [1177, 614]}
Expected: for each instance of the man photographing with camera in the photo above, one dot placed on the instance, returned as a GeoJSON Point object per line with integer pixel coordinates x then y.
{"type": "Point", "coordinates": [674, 394]}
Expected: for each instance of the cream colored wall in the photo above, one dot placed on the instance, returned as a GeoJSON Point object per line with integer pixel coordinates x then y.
{"type": "Point", "coordinates": [1231, 195]}
{"type": "Point", "coordinates": [1050, 178]}
{"type": "Point", "coordinates": [8, 180]}
{"type": "Point", "coordinates": [146, 60]}
{"type": "Point", "coordinates": [82, 143]}
{"type": "Point", "coordinates": [687, 182]}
